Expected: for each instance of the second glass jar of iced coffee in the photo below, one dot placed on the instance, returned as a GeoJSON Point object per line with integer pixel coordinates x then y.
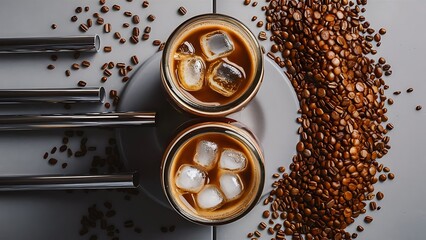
{"type": "Point", "coordinates": [212, 65]}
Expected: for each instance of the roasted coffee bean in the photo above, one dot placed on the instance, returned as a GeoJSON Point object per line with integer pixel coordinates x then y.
{"type": "Point", "coordinates": [396, 92]}
{"type": "Point", "coordinates": [368, 219]}
{"type": "Point", "coordinates": [74, 19]}
{"type": "Point", "coordinates": [136, 31]}
{"type": "Point", "coordinates": [382, 31]}
{"type": "Point", "coordinates": [117, 35]}
{"type": "Point", "coordinates": [136, 19]}
{"type": "Point", "coordinates": [134, 60]}
{"type": "Point", "coordinates": [262, 36]}
{"type": "Point", "coordinates": [373, 206]}
{"type": "Point", "coordinates": [147, 29]}
{"type": "Point", "coordinates": [182, 10]}
{"type": "Point", "coordinates": [84, 27]}
{"type": "Point", "coordinates": [104, 9]}
{"type": "Point", "coordinates": [107, 49]}
{"type": "Point", "coordinates": [380, 195]}
{"type": "Point", "coordinates": [116, 7]}
{"type": "Point", "coordinates": [262, 226]}
{"type": "Point", "coordinates": [151, 18]}
{"type": "Point", "coordinates": [145, 36]}
{"type": "Point", "coordinates": [259, 24]}
{"type": "Point", "coordinates": [126, 25]}
{"type": "Point", "coordinates": [78, 10]}
{"type": "Point", "coordinates": [50, 67]}
{"type": "Point", "coordinates": [107, 105]}
{"type": "Point", "coordinates": [418, 108]}
{"type": "Point", "coordinates": [89, 23]}
{"type": "Point", "coordinates": [53, 161]}
{"type": "Point", "coordinates": [107, 27]}
{"type": "Point", "coordinates": [85, 64]}
{"type": "Point", "coordinates": [134, 39]}
{"type": "Point", "coordinates": [81, 83]}
{"type": "Point", "coordinates": [54, 26]}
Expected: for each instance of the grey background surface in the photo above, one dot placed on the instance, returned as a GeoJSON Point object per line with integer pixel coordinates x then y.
{"type": "Point", "coordinates": [56, 215]}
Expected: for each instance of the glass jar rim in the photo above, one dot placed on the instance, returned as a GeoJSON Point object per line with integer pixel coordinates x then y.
{"type": "Point", "coordinates": [185, 102]}
{"type": "Point", "coordinates": [239, 134]}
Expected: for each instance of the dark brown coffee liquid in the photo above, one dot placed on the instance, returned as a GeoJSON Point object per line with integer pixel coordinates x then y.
{"type": "Point", "coordinates": [241, 55]}
{"type": "Point", "coordinates": [186, 154]}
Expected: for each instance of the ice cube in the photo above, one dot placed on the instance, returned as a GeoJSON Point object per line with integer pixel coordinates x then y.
{"type": "Point", "coordinates": [185, 49]}
{"type": "Point", "coordinates": [206, 154]}
{"type": "Point", "coordinates": [216, 44]}
{"type": "Point", "coordinates": [191, 70]}
{"type": "Point", "coordinates": [233, 160]}
{"type": "Point", "coordinates": [231, 185]}
{"type": "Point", "coordinates": [190, 178]}
{"type": "Point", "coordinates": [224, 77]}
{"type": "Point", "coordinates": [210, 197]}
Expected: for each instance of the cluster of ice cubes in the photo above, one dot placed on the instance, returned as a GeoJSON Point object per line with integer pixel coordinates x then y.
{"type": "Point", "coordinates": [222, 76]}
{"type": "Point", "coordinates": [192, 178]}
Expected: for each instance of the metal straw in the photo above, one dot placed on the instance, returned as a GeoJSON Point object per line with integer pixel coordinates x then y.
{"type": "Point", "coordinates": [52, 95]}
{"type": "Point", "coordinates": [50, 44]}
{"type": "Point", "coordinates": [38, 122]}
{"type": "Point", "coordinates": [19, 183]}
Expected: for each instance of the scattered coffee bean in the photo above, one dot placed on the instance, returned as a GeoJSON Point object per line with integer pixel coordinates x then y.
{"type": "Point", "coordinates": [262, 36]}
{"type": "Point", "coordinates": [156, 42]}
{"type": "Point", "coordinates": [81, 83]}
{"type": "Point", "coordinates": [418, 108]}
{"type": "Point", "coordinates": [46, 155]}
{"type": "Point", "coordinates": [380, 195]}
{"type": "Point", "coordinates": [409, 90]}
{"type": "Point", "coordinates": [359, 228]}
{"type": "Point", "coordinates": [89, 23]}
{"type": "Point", "coordinates": [84, 27]}
{"type": "Point", "coordinates": [116, 7]}
{"type": "Point", "coordinates": [107, 105]}
{"type": "Point", "coordinates": [396, 92]}
{"type": "Point", "coordinates": [107, 49]}
{"type": "Point", "coordinates": [85, 64]}
{"type": "Point", "coordinates": [147, 29]}
{"type": "Point", "coordinates": [145, 36]}
{"type": "Point", "coordinates": [54, 26]}
{"type": "Point", "coordinates": [127, 14]}
{"type": "Point", "coordinates": [117, 35]}
{"type": "Point", "coordinates": [134, 39]}
{"type": "Point", "coordinates": [254, 4]}
{"type": "Point", "coordinates": [262, 226]}
{"type": "Point", "coordinates": [135, 19]}
{"type": "Point", "coordinates": [74, 19]}
{"type": "Point", "coordinates": [390, 101]}
{"type": "Point", "coordinates": [75, 66]}
{"type": "Point", "coordinates": [64, 165]}
{"type": "Point", "coordinates": [107, 28]}
{"type": "Point", "coordinates": [145, 4]}
{"type": "Point", "coordinates": [104, 9]}
{"type": "Point", "coordinates": [78, 10]}
{"type": "Point", "coordinates": [182, 10]}
{"type": "Point", "coordinates": [247, 2]}
{"type": "Point", "coordinates": [259, 24]}
{"type": "Point", "coordinates": [135, 60]}
{"type": "Point", "coordinates": [53, 161]}
{"type": "Point", "coordinates": [382, 31]}
{"type": "Point", "coordinates": [151, 18]}
{"type": "Point", "coordinates": [368, 219]}
{"type": "Point", "coordinates": [50, 67]}
{"type": "Point", "coordinates": [136, 31]}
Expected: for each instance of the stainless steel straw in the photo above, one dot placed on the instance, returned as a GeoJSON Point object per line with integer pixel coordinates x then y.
{"type": "Point", "coordinates": [60, 182]}
{"type": "Point", "coordinates": [52, 95]}
{"type": "Point", "coordinates": [50, 44]}
{"type": "Point", "coordinates": [38, 122]}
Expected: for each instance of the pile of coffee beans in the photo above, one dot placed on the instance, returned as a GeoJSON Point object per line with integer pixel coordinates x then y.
{"type": "Point", "coordinates": [326, 48]}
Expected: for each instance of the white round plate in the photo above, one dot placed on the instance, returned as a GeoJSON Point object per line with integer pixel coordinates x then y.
{"type": "Point", "coordinates": [270, 116]}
